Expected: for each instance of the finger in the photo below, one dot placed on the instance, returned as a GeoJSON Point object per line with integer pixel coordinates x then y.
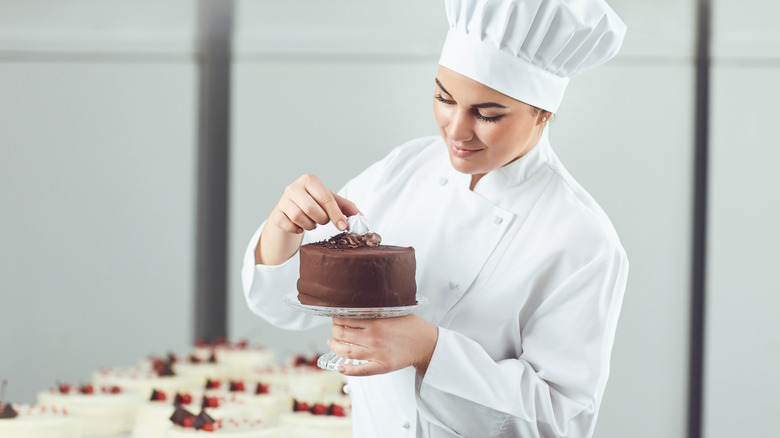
{"type": "Point", "coordinates": [284, 223]}
{"type": "Point", "coordinates": [325, 198]}
{"type": "Point", "coordinates": [296, 215]}
{"type": "Point", "coordinates": [348, 351]}
{"type": "Point", "coordinates": [365, 369]}
{"type": "Point", "coordinates": [309, 206]}
{"type": "Point", "coordinates": [346, 206]}
{"type": "Point", "coordinates": [343, 333]}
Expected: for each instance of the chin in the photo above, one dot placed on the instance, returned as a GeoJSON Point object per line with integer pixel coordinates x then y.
{"type": "Point", "coordinates": [463, 166]}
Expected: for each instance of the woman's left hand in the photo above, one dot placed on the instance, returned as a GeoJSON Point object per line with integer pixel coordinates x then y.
{"type": "Point", "coordinates": [388, 344]}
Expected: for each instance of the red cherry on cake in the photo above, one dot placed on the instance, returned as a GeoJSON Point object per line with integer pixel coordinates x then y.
{"type": "Point", "coordinates": [114, 389]}
{"type": "Point", "coordinates": [300, 406]}
{"type": "Point", "coordinates": [262, 388]}
{"type": "Point", "coordinates": [208, 427]}
{"type": "Point", "coordinates": [210, 402]}
{"type": "Point", "coordinates": [319, 409]}
{"type": "Point", "coordinates": [336, 410]}
{"type": "Point", "coordinates": [212, 384]}
{"type": "Point", "coordinates": [187, 422]}
{"type": "Point", "coordinates": [87, 389]}
{"type": "Point", "coordinates": [158, 396]}
{"type": "Point", "coordinates": [64, 388]}
{"type": "Point", "coordinates": [237, 386]}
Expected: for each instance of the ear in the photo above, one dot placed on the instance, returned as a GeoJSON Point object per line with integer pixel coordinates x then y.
{"type": "Point", "coordinates": [543, 117]}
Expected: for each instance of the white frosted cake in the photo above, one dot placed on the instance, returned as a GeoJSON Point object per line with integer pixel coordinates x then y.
{"type": "Point", "coordinates": [240, 358]}
{"type": "Point", "coordinates": [153, 419]}
{"type": "Point", "coordinates": [141, 381]}
{"type": "Point", "coordinates": [187, 424]}
{"type": "Point", "coordinates": [269, 400]}
{"type": "Point", "coordinates": [329, 417]}
{"type": "Point", "coordinates": [104, 411]}
{"type": "Point", "coordinates": [24, 420]}
{"type": "Point", "coordinates": [300, 379]}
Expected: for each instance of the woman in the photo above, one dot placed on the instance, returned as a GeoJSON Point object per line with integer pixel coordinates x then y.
{"type": "Point", "coordinates": [524, 272]}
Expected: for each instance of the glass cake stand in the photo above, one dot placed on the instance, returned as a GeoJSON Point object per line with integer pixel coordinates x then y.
{"type": "Point", "coordinates": [330, 361]}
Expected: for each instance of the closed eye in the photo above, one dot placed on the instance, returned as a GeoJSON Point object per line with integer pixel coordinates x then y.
{"type": "Point", "coordinates": [441, 99]}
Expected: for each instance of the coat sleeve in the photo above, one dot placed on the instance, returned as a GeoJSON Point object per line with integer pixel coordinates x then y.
{"type": "Point", "coordinates": [554, 388]}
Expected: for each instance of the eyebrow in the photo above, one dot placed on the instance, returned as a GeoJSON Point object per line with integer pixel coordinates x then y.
{"type": "Point", "coordinates": [479, 105]}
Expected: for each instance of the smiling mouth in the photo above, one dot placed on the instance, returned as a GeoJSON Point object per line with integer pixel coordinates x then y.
{"type": "Point", "coordinates": [462, 152]}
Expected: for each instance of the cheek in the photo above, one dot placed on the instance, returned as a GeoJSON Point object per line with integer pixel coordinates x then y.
{"type": "Point", "coordinates": [441, 115]}
{"type": "Point", "coordinates": [491, 135]}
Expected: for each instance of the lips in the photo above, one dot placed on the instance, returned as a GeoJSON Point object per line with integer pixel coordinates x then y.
{"type": "Point", "coordinates": [462, 152]}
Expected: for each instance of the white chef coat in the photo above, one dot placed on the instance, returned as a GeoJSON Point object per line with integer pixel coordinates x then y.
{"type": "Point", "coordinates": [525, 276]}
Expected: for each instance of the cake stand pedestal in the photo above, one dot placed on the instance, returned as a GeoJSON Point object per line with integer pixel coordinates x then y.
{"type": "Point", "coordinates": [330, 361]}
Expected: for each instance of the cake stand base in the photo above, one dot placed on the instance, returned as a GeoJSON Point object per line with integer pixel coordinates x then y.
{"type": "Point", "coordinates": [330, 361]}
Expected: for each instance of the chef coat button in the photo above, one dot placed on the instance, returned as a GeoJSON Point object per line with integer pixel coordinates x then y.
{"type": "Point", "coordinates": [453, 285]}
{"type": "Point", "coordinates": [442, 181]}
{"type": "Point", "coordinates": [497, 219]}
{"type": "Point", "coordinates": [347, 389]}
{"type": "Point", "coordinates": [405, 424]}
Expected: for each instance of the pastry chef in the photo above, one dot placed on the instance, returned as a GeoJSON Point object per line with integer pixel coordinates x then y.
{"type": "Point", "coordinates": [524, 272]}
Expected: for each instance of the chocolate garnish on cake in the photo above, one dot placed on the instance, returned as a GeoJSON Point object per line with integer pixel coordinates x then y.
{"type": "Point", "coordinates": [6, 410]}
{"type": "Point", "coordinates": [182, 417]}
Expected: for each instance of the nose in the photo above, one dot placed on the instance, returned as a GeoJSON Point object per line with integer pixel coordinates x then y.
{"type": "Point", "coordinates": [460, 128]}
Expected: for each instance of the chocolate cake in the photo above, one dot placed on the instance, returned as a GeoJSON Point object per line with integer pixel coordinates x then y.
{"type": "Point", "coordinates": [351, 270]}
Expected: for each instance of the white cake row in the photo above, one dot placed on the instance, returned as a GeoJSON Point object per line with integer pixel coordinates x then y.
{"type": "Point", "coordinates": [248, 395]}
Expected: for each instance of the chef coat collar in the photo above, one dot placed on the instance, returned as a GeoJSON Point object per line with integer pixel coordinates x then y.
{"type": "Point", "coordinates": [514, 173]}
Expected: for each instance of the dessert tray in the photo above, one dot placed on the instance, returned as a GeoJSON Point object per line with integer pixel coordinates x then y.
{"type": "Point", "coordinates": [331, 361]}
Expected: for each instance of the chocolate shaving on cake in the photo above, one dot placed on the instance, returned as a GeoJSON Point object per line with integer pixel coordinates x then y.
{"type": "Point", "coordinates": [165, 370]}
{"type": "Point", "coordinates": [202, 419]}
{"type": "Point", "coordinates": [8, 411]}
{"type": "Point", "coordinates": [346, 240]}
{"type": "Point", "coordinates": [182, 417]}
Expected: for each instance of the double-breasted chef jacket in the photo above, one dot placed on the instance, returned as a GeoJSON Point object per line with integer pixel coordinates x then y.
{"type": "Point", "coordinates": [525, 276]}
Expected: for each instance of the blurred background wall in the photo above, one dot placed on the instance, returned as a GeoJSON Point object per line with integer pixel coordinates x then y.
{"type": "Point", "coordinates": [98, 143]}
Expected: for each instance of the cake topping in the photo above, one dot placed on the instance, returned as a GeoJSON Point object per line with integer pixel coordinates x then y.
{"type": "Point", "coordinates": [87, 389]}
{"type": "Point", "coordinates": [237, 386]}
{"type": "Point", "coordinates": [210, 402]}
{"type": "Point", "coordinates": [164, 369]}
{"type": "Point", "coordinates": [347, 240]}
{"type": "Point", "coordinates": [182, 399]}
{"type": "Point", "coordinates": [182, 417]}
{"type": "Point", "coordinates": [203, 421]}
{"type": "Point", "coordinates": [212, 384]}
{"type": "Point", "coordinates": [7, 411]}
{"type": "Point", "coordinates": [302, 361]}
{"type": "Point", "coordinates": [64, 388]}
{"type": "Point", "coordinates": [262, 388]}
{"type": "Point", "coordinates": [319, 408]}
{"type": "Point", "coordinates": [358, 224]}
{"type": "Point", "coordinates": [157, 395]}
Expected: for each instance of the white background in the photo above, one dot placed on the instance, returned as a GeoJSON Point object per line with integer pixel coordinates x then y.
{"type": "Point", "coordinates": [97, 179]}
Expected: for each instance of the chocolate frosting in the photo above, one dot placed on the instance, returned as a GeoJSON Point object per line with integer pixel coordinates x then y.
{"type": "Point", "coordinates": [8, 411]}
{"type": "Point", "coordinates": [346, 240]}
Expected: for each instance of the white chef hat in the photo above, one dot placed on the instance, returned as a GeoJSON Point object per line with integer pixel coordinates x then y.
{"type": "Point", "coordinates": [528, 49]}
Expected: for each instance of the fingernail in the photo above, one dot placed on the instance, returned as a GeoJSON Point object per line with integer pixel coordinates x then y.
{"type": "Point", "coordinates": [342, 369]}
{"type": "Point", "coordinates": [342, 225]}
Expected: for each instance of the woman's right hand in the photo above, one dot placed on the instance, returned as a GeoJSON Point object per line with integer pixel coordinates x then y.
{"type": "Point", "coordinates": [305, 203]}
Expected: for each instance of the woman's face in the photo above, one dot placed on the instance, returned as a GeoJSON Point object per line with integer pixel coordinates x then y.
{"type": "Point", "coordinates": [482, 128]}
